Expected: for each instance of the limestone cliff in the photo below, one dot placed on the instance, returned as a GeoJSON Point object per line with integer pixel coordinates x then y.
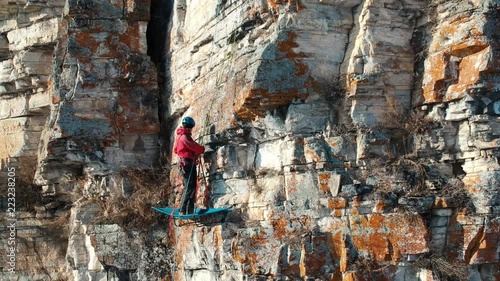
{"type": "Point", "coordinates": [352, 139]}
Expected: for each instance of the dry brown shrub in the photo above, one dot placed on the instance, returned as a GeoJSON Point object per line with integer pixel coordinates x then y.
{"type": "Point", "coordinates": [150, 187]}
{"type": "Point", "coordinates": [442, 269]}
{"type": "Point", "coordinates": [28, 194]}
{"type": "Point", "coordinates": [332, 89]}
{"type": "Point", "coordinates": [405, 125]}
{"type": "Point", "coordinates": [455, 188]}
{"type": "Point", "coordinates": [403, 176]}
{"type": "Point", "coordinates": [346, 128]}
{"type": "Point", "coordinates": [409, 121]}
{"type": "Point", "coordinates": [58, 227]}
{"type": "Point", "coordinates": [406, 216]}
{"type": "Point", "coordinates": [418, 178]}
{"type": "Point", "coordinates": [367, 268]}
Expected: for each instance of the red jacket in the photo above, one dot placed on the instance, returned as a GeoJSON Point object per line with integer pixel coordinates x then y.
{"type": "Point", "coordinates": [185, 146]}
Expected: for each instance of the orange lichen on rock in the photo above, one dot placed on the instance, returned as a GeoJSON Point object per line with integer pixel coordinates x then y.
{"type": "Point", "coordinates": [245, 253]}
{"type": "Point", "coordinates": [295, 4]}
{"type": "Point", "coordinates": [272, 85]}
{"type": "Point", "coordinates": [132, 38]}
{"type": "Point", "coordinates": [471, 183]}
{"type": "Point", "coordinates": [433, 86]}
{"type": "Point", "coordinates": [287, 47]}
{"type": "Point", "coordinates": [315, 254]}
{"type": "Point", "coordinates": [337, 203]}
{"type": "Point", "coordinates": [86, 40]}
{"type": "Point", "coordinates": [218, 240]}
{"type": "Point", "coordinates": [387, 237]}
{"type": "Point", "coordinates": [279, 226]}
{"type": "Point", "coordinates": [468, 47]}
{"type": "Point", "coordinates": [446, 80]}
{"type": "Point", "coordinates": [459, 54]}
{"type": "Point", "coordinates": [183, 243]}
{"type": "Point", "coordinates": [350, 276]}
{"type": "Point", "coordinates": [473, 239]}
{"type": "Point", "coordinates": [56, 99]}
{"type": "Point", "coordinates": [313, 156]}
{"type": "Point", "coordinates": [132, 118]}
{"type": "Point", "coordinates": [469, 74]}
{"type": "Point", "coordinates": [380, 206]}
{"type": "Point", "coordinates": [485, 245]}
{"type": "Point", "coordinates": [255, 102]}
{"type": "Point", "coordinates": [339, 249]}
{"type": "Point", "coordinates": [251, 260]}
{"type": "Point", "coordinates": [323, 180]}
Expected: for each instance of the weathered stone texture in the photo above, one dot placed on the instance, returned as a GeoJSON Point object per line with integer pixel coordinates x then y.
{"type": "Point", "coordinates": [79, 93]}
{"type": "Point", "coordinates": [305, 146]}
{"type": "Point", "coordinates": [354, 140]}
{"type": "Point", "coordinates": [461, 57]}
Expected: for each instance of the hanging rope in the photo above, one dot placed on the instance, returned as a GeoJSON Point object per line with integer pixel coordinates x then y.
{"type": "Point", "coordinates": [170, 226]}
{"type": "Point", "coordinates": [207, 202]}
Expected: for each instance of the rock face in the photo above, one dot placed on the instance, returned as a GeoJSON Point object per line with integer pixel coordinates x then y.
{"type": "Point", "coordinates": [354, 140]}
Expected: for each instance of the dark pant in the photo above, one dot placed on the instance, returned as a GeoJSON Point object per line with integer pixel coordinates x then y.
{"type": "Point", "coordinates": [189, 193]}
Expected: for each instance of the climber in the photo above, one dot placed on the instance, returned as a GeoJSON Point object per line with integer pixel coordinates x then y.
{"type": "Point", "coordinates": [187, 150]}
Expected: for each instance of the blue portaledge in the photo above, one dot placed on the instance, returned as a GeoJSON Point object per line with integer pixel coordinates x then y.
{"type": "Point", "coordinates": [174, 212]}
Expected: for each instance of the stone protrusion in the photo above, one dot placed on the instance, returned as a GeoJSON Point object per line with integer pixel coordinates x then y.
{"type": "Point", "coordinates": [352, 140]}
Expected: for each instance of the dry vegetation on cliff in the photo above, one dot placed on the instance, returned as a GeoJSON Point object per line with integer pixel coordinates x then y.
{"type": "Point", "coordinates": [367, 268]}
{"type": "Point", "coordinates": [149, 187]}
{"type": "Point", "coordinates": [441, 268]}
{"type": "Point", "coordinates": [405, 173]}
{"type": "Point", "coordinates": [28, 195]}
{"type": "Point", "coordinates": [408, 177]}
{"type": "Point", "coordinates": [31, 194]}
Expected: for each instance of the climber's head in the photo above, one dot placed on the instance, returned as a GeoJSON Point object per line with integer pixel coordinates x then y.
{"type": "Point", "coordinates": [188, 122]}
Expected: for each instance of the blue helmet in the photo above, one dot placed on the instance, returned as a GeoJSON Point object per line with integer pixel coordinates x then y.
{"type": "Point", "coordinates": [188, 122]}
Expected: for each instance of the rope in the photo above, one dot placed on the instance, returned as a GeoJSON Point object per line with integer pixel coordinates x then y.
{"type": "Point", "coordinates": [207, 193]}
{"type": "Point", "coordinates": [196, 186]}
{"type": "Point", "coordinates": [170, 221]}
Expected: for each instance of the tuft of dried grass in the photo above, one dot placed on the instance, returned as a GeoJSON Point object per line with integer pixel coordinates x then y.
{"type": "Point", "coordinates": [402, 176]}
{"type": "Point", "coordinates": [150, 187]}
{"type": "Point", "coordinates": [405, 125]}
{"type": "Point", "coordinates": [455, 188]}
{"type": "Point", "coordinates": [58, 228]}
{"type": "Point", "coordinates": [442, 269]}
{"type": "Point", "coordinates": [410, 122]}
{"type": "Point", "coordinates": [28, 195]}
{"type": "Point", "coordinates": [367, 267]}
{"type": "Point", "coordinates": [346, 128]}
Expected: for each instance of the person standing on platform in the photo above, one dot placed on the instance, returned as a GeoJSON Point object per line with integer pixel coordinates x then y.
{"type": "Point", "coordinates": [187, 150]}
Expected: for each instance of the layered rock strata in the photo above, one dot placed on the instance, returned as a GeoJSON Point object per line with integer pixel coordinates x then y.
{"type": "Point", "coordinates": [354, 140]}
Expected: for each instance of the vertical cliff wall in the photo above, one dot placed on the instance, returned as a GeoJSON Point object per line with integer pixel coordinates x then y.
{"type": "Point", "coordinates": [79, 99]}
{"type": "Point", "coordinates": [344, 133]}
{"type": "Point", "coordinates": [353, 139]}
